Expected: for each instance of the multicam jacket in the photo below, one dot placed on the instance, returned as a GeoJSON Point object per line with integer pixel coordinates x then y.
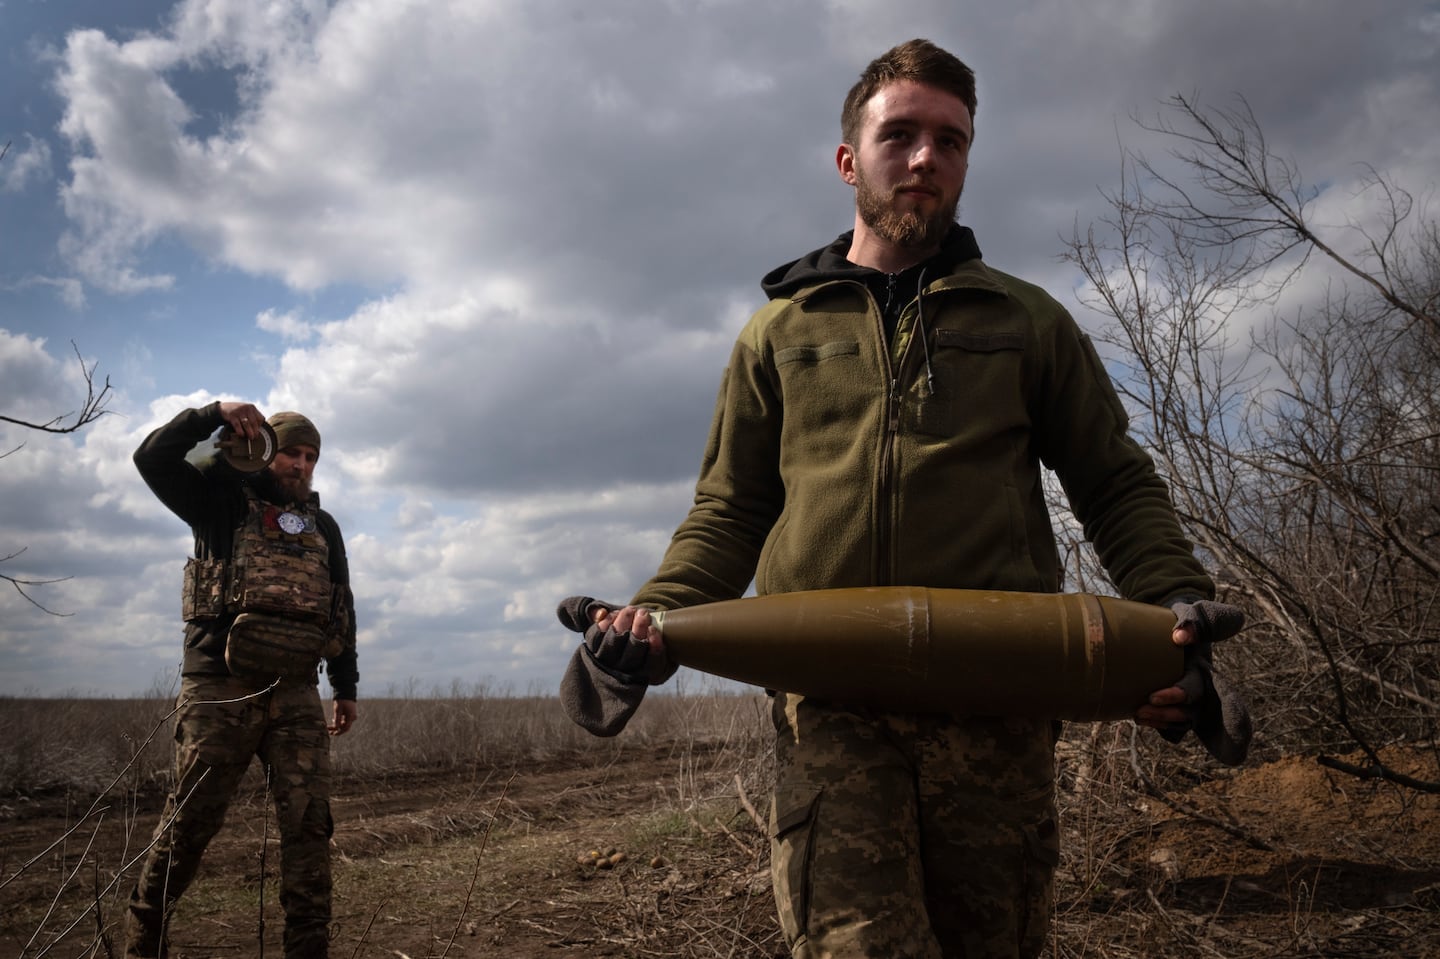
{"type": "Point", "coordinates": [844, 455]}
{"type": "Point", "coordinates": [216, 502]}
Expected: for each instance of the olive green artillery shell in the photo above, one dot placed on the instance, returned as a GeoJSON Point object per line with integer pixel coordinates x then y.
{"type": "Point", "coordinates": [1069, 656]}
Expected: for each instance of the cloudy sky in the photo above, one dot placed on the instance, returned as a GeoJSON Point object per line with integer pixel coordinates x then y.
{"type": "Point", "coordinates": [498, 250]}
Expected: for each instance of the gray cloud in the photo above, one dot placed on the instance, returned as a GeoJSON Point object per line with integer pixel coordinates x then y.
{"type": "Point", "coordinates": [563, 212]}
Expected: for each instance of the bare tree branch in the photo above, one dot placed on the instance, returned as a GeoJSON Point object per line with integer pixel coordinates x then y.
{"type": "Point", "coordinates": [20, 584]}
{"type": "Point", "coordinates": [1228, 156]}
{"type": "Point", "coordinates": [91, 410]}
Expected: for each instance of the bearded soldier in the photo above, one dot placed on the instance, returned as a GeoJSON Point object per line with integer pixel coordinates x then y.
{"type": "Point", "coordinates": [266, 599]}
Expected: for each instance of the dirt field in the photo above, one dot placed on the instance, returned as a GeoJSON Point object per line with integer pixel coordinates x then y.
{"type": "Point", "coordinates": [1279, 859]}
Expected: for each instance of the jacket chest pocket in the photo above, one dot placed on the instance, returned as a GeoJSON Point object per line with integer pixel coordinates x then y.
{"type": "Point", "coordinates": [977, 386]}
{"type": "Point", "coordinates": [824, 392]}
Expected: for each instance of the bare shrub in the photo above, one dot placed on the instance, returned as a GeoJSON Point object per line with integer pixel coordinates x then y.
{"type": "Point", "coordinates": [1298, 434]}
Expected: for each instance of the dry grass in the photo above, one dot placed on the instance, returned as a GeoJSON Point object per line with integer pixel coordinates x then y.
{"type": "Point", "coordinates": [86, 746]}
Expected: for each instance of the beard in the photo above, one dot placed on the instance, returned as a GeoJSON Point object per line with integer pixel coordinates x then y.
{"type": "Point", "coordinates": [281, 489]}
{"type": "Point", "coordinates": [903, 228]}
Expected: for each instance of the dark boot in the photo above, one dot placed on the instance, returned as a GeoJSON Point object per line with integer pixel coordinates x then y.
{"type": "Point", "coordinates": [145, 932]}
{"type": "Point", "coordinates": [307, 939]}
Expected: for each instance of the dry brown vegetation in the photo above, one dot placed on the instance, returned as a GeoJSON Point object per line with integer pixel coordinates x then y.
{"type": "Point", "coordinates": [472, 826]}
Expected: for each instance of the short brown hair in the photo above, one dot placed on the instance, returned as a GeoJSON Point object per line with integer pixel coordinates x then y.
{"type": "Point", "coordinates": [918, 60]}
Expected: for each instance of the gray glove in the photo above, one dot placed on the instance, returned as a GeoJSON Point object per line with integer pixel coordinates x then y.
{"type": "Point", "coordinates": [1221, 717]}
{"type": "Point", "coordinates": [609, 672]}
{"type": "Point", "coordinates": [1213, 621]}
{"type": "Point", "coordinates": [619, 654]}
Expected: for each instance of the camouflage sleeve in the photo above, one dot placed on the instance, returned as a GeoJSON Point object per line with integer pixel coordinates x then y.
{"type": "Point", "coordinates": [342, 670]}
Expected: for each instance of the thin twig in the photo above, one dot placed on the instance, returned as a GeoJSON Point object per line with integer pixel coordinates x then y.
{"type": "Point", "coordinates": [264, 843]}
{"type": "Point", "coordinates": [365, 933]}
{"type": "Point", "coordinates": [760, 824]}
{"type": "Point", "coordinates": [120, 775]}
{"type": "Point", "coordinates": [64, 884]}
{"type": "Point", "coordinates": [1378, 770]}
{"type": "Point", "coordinates": [124, 867]}
{"type": "Point", "coordinates": [475, 873]}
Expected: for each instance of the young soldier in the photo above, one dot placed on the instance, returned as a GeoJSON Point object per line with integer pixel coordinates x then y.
{"type": "Point", "coordinates": [884, 420]}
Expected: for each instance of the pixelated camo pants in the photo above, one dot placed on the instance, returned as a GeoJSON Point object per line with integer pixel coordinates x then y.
{"type": "Point", "coordinates": [912, 837]}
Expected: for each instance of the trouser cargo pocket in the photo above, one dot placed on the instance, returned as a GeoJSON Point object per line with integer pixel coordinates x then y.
{"type": "Point", "coordinates": [792, 840]}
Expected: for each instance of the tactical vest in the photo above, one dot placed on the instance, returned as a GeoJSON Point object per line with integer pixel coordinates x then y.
{"type": "Point", "coordinates": [276, 583]}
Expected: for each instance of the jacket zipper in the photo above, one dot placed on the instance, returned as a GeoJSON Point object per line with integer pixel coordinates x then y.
{"type": "Point", "coordinates": [883, 562]}
{"type": "Point", "coordinates": [884, 558]}
{"type": "Point", "coordinates": [883, 567]}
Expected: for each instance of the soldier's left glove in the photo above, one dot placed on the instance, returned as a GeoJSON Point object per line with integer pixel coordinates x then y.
{"type": "Point", "coordinates": [1221, 716]}
{"type": "Point", "coordinates": [1212, 621]}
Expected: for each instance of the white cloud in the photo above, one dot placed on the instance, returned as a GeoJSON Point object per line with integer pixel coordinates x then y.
{"type": "Point", "coordinates": [68, 289]}
{"type": "Point", "coordinates": [288, 326]}
{"type": "Point", "coordinates": [390, 143]}
{"type": "Point", "coordinates": [25, 165]}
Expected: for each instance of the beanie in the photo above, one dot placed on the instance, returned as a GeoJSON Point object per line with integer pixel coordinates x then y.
{"type": "Point", "coordinates": [292, 429]}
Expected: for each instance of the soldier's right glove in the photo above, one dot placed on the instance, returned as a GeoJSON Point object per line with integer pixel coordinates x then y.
{"type": "Point", "coordinates": [609, 672]}
{"type": "Point", "coordinates": [1221, 719]}
{"type": "Point", "coordinates": [622, 655]}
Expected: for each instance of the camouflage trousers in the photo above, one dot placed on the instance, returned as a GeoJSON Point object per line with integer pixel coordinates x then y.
{"type": "Point", "coordinates": [221, 723]}
{"type": "Point", "coordinates": [911, 837]}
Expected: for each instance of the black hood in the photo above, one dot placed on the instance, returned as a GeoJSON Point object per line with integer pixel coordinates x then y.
{"type": "Point", "coordinates": [829, 263]}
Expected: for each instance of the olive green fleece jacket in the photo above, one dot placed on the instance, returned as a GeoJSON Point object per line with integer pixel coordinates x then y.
{"type": "Point", "coordinates": [837, 458]}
